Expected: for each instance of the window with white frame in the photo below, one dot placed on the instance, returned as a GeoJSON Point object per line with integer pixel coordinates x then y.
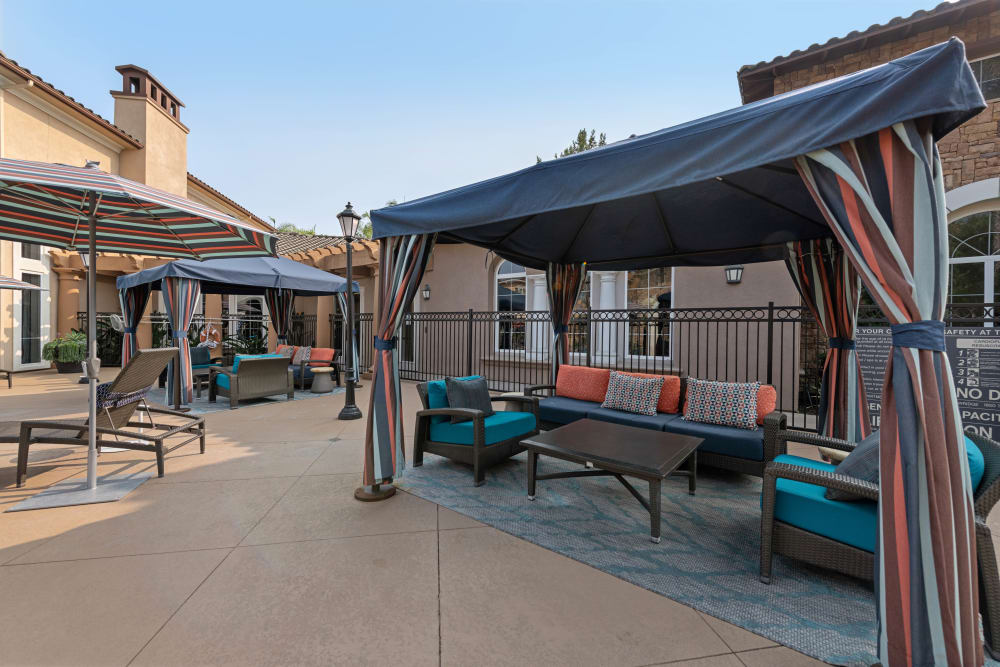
{"type": "Point", "coordinates": [648, 293]}
{"type": "Point", "coordinates": [974, 258]}
{"type": "Point", "coordinates": [578, 334]}
{"type": "Point", "coordinates": [511, 288]}
{"type": "Point", "coordinates": [987, 73]}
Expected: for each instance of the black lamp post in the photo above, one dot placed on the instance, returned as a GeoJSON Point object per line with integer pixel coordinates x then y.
{"type": "Point", "coordinates": [349, 226]}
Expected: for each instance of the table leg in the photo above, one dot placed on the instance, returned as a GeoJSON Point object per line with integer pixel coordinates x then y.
{"type": "Point", "coordinates": [654, 511]}
{"type": "Point", "coordinates": [692, 472]}
{"type": "Point", "coordinates": [532, 470]}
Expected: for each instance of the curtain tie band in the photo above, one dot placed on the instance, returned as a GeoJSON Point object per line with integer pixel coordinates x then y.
{"type": "Point", "coordinates": [921, 335]}
{"type": "Point", "coordinates": [560, 328]}
{"type": "Point", "coordinates": [128, 330]}
{"type": "Point", "coordinates": [837, 343]}
{"type": "Point", "coordinates": [383, 344]}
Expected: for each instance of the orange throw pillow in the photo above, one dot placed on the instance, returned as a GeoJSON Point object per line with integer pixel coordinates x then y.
{"type": "Point", "coordinates": [767, 401]}
{"type": "Point", "coordinates": [670, 395]}
{"type": "Point", "coordinates": [583, 383]}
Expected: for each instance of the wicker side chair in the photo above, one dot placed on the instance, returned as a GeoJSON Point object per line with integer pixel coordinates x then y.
{"type": "Point", "coordinates": [114, 421]}
{"type": "Point", "coordinates": [478, 454]}
{"type": "Point", "coordinates": [793, 542]}
{"type": "Point", "coordinates": [254, 378]}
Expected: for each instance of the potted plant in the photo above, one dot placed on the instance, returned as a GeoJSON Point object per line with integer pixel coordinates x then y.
{"type": "Point", "coordinates": [67, 351]}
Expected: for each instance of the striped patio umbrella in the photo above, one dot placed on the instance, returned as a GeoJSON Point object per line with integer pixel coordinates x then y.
{"type": "Point", "coordinates": [11, 283]}
{"type": "Point", "coordinates": [83, 207]}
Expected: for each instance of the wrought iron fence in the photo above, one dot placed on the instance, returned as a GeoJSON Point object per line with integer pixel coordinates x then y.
{"type": "Point", "coordinates": [243, 334]}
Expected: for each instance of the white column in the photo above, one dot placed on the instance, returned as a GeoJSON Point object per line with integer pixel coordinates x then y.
{"type": "Point", "coordinates": [606, 333]}
{"type": "Point", "coordinates": [538, 332]}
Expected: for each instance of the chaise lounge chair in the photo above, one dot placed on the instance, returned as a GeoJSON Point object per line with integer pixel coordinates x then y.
{"type": "Point", "coordinates": [118, 402]}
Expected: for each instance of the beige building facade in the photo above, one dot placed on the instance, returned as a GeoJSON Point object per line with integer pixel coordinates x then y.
{"type": "Point", "coordinates": [146, 142]}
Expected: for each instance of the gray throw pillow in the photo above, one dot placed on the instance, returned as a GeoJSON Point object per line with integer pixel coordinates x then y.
{"type": "Point", "coordinates": [468, 394]}
{"type": "Point", "coordinates": [861, 463]}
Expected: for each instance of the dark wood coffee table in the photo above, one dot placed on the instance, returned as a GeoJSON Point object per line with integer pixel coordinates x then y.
{"type": "Point", "coordinates": [616, 450]}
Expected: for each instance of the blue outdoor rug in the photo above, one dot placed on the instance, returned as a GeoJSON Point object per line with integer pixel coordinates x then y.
{"type": "Point", "coordinates": [201, 406]}
{"type": "Point", "coordinates": [708, 558]}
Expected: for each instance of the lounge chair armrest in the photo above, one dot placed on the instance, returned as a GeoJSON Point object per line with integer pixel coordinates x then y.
{"type": "Point", "coordinates": [528, 403]}
{"type": "Point", "coordinates": [167, 411]}
{"type": "Point", "coordinates": [774, 425]}
{"type": "Point", "coordinates": [829, 480]}
{"type": "Point", "coordinates": [451, 412]}
{"type": "Point", "coordinates": [533, 389]}
{"type": "Point", "coordinates": [810, 438]}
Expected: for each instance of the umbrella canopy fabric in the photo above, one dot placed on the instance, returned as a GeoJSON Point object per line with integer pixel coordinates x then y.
{"type": "Point", "coordinates": [48, 204]}
{"type": "Point", "coordinates": [718, 190]}
{"type": "Point", "coordinates": [251, 275]}
{"type": "Point", "coordinates": [11, 283]}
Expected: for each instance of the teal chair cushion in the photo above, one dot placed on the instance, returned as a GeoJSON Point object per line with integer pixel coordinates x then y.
{"type": "Point", "coordinates": [853, 522]}
{"type": "Point", "coordinates": [806, 506]}
{"type": "Point", "coordinates": [437, 397]}
{"type": "Point", "coordinates": [222, 381]}
{"type": "Point", "coordinates": [499, 426]}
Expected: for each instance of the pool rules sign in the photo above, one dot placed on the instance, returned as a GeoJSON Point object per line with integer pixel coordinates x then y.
{"type": "Point", "coordinates": [975, 364]}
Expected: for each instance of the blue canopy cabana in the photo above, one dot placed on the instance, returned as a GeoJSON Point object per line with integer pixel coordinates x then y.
{"type": "Point", "coordinates": [853, 160]}
{"type": "Point", "coordinates": [182, 282]}
{"type": "Point", "coordinates": [251, 275]}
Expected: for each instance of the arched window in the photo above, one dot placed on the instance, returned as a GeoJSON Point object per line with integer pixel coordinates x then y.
{"type": "Point", "coordinates": [649, 294]}
{"type": "Point", "coordinates": [974, 258]}
{"type": "Point", "coordinates": [511, 287]}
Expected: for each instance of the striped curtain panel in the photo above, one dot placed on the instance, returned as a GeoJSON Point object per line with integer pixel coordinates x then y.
{"type": "Point", "coordinates": [883, 196]}
{"type": "Point", "coordinates": [133, 301]}
{"type": "Point", "coordinates": [401, 264]}
{"type": "Point", "coordinates": [342, 302]}
{"type": "Point", "coordinates": [181, 296]}
{"type": "Point", "coordinates": [563, 282]}
{"type": "Point", "coordinates": [831, 290]}
{"type": "Point", "coordinates": [279, 306]}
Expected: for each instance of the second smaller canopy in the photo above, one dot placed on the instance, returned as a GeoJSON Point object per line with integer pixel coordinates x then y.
{"type": "Point", "coordinates": [250, 275]}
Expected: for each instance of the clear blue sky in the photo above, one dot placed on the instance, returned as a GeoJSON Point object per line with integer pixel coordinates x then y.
{"type": "Point", "coordinates": [296, 107]}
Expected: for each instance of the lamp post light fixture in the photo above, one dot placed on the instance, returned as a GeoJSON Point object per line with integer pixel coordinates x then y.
{"type": "Point", "coordinates": [426, 292]}
{"type": "Point", "coordinates": [349, 220]}
{"type": "Point", "coordinates": [734, 274]}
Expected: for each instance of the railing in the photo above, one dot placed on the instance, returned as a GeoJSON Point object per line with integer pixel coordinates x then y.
{"type": "Point", "coordinates": [777, 345]}
{"type": "Point", "coordinates": [240, 334]}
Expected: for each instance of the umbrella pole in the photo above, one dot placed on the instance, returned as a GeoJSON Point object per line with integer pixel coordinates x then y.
{"type": "Point", "coordinates": [90, 365]}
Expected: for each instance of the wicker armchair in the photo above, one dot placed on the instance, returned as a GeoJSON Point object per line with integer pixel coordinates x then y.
{"type": "Point", "coordinates": [782, 538]}
{"type": "Point", "coordinates": [478, 454]}
{"type": "Point", "coordinates": [254, 378]}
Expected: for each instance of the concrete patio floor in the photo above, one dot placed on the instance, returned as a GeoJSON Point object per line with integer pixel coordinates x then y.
{"type": "Point", "coordinates": [257, 553]}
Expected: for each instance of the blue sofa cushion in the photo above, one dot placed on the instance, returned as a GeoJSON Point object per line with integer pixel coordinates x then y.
{"type": "Point", "coordinates": [437, 396]}
{"type": "Point", "coordinates": [806, 506]}
{"type": "Point", "coordinates": [562, 410]}
{"type": "Point", "coordinates": [655, 422]}
{"type": "Point", "coordinates": [499, 426]}
{"type": "Point", "coordinates": [222, 381]}
{"type": "Point", "coordinates": [727, 440]}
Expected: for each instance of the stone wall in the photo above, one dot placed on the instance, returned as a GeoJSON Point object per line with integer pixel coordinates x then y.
{"type": "Point", "coordinates": [971, 152]}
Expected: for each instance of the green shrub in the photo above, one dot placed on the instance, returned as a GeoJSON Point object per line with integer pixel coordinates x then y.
{"type": "Point", "coordinates": [70, 348]}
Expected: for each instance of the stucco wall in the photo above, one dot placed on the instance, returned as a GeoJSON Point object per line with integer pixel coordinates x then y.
{"type": "Point", "coordinates": [162, 163]}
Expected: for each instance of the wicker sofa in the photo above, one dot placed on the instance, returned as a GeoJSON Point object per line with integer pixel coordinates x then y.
{"type": "Point", "coordinates": [790, 479]}
{"type": "Point", "coordinates": [252, 376]}
{"type": "Point", "coordinates": [480, 442]}
{"type": "Point", "coordinates": [725, 447]}
{"type": "Point", "coordinates": [319, 357]}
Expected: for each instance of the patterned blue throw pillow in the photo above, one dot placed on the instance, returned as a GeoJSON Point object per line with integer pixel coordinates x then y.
{"type": "Point", "coordinates": [633, 394]}
{"type": "Point", "coordinates": [723, 403]}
